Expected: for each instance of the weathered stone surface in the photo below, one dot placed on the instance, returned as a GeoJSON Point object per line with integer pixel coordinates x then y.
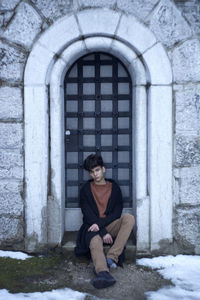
{"type": "Point", "coordinates": [189, 190]}
{"type": "Point", "coordinates": [96, 21]}
{"type": "Point", "coordinates": [13, 186]}
{"type": "Point", "coordinates": [11, 230]}
{"type": "Point", "coordinates": [133, 37]}
{"type": "Point", "coordinates": [54, 9]}
{"type": "Point", "coordinates": [11, 164]}
{"type": "Point", "coordinates": [187, 228]}
{"type": "Point", "coordinates": [12, 63]}
{"type": "Point", "coordinates": [11, 204]}
{"type": "Point", "coordinates": [187, 151]}
{"type": "Point", "coordinates": [156, 65]}
{"type": "Point", "coordinates": [25, 25]}
{"type": "Point", "coordinates": [168, 24]}
{"type": "Point", "coordinates": [11, 136]}
{"type": "Point", "coordinates": [139, 8]}
{"type": "Point", "coordinates": [8, 4]}
{"type": "Point", "coordinates": [176, 184]}
{"type": "Point", "coordinates": [186, 61]}
{"type": "Point", "coordinates": [5, 17]}
{"type": "Point", "coordinates": [96, 3]}
{"type": "Point", "coordinates": [11, 103]}
{"type": "Point", "coordinates": [188, 109]}
{"type": "Point", "coordinates": [191, 10]}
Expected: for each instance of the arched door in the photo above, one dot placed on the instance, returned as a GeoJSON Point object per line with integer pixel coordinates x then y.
{"type": "Point", "coordinates": [98, 119]}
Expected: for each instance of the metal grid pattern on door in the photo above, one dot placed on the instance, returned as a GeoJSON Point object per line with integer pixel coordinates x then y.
{"type": "Point", "coordinates": [98, 119]}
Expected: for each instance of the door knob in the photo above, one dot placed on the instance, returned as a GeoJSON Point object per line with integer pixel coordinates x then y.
{"type": "Point", "coordinates": [67, 132]}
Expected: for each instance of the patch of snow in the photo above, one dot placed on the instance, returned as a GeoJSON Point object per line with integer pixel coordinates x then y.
{"type": "Point", "coordinates": [62, 294]}
{"type": "Point", "coordinates": [14, 255]}
{"type": "Point", "coordinates": [182, 270]}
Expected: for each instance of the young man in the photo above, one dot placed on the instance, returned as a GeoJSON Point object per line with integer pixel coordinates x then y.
{"type": "Point", "coordinates": [101, 205]}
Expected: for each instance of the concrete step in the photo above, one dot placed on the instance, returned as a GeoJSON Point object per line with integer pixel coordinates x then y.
{"type": "Point", "coordinates": [69, 242]}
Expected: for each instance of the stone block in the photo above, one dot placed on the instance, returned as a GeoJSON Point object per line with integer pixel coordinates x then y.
{"type": "Point", "coordinates": [57, 77]}
{"type": "Point", "coordinates": [191, 12]}
{"type": "Point", "coordinates": [96, 21]}
{"type": "Point", "coordinates": [168, 24]}
{"type": "Point", "coordinates": [176, 184]}
{"type": "Point", "coordinates": [139, 8]}
{"type": "Point", "coordinates": [140, 112]}
{"type": "Point", "coordinates": [143, 224]}
{"type": "Point", "coordinates": [123, 52]}
{"type": "Point", "coordinates": [36, 161]}
{"type": "Point", "coordinates": [189, 189]}
{"type": "Point", "coordinates": [187, 228]}
{"type": "Point", "coordinates": [160, 163]}
{"type": "Point", "coordinates": [96, 3]}
{"type": "Point", "coordinates": [12, 63]}
{"type": "Point", "coordinates": [156, 58]}
{"type": "Point", "coordinates": [71, 54]}
{"type": "Point", "coordinates": [73, 219]}
{"type": "Point", "coordinates": [139, 72]}
{"type": "Point", "coordinates": [8, 4]}
{"type": "Point", "coordinates": [100, 43]}
{"type": "Point", "coordinates": [126, 33]}
{"type": "Point", "coordinates": [54, 9]}
{"type": "Point", "coordinates": [11, 230]}
{"type": "Point", "coordinates": [11, 103]}
{"type": "Point", "coordinates": [5, 17]}
{"type": "Point", "coordinates": [187, 151]}
{"type": "Point", "coordinates": [186, 62]}
{"type": "Point", "coordinates": [13, 173]}
{"type": "Point", "coordinates": [63, 32]}
{"type": "Point", "coordinates": [11, 164]}
{"type": "Point", "coordinates": [11, 186]}
{"type": "Point", "coordinates": [37, 66]}
{"type": "Point", "coordinates": [11, 136]}
{"type": "Point", "coordinates": [25, 26]}
{"type": "Point", "coordinates": [188, 109]}
{"type": "Point", "coordinates": [54, 217]}
{"type": "Point", "coordinates": [11, 204]}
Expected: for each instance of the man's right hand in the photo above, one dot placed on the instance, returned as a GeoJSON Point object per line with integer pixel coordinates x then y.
{"type": "Point", "coordinates": [107, 239]}
{"type": "Point", "coordinates": [94, 228]}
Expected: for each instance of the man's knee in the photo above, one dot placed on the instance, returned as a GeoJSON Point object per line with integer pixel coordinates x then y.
{"type": "Point", "coordinates": [96, 241]}
{"type": "Point", "coordinates": [128, 219]}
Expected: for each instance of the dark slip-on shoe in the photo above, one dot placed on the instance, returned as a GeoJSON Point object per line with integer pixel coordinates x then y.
{"type": "Point", "coordinates": [103, 280]}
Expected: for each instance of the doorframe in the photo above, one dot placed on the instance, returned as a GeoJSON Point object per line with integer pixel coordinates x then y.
{"type": "Point", "coordinates": [43, 98]}
{"type": "Point", "coordinates": [73, 216]}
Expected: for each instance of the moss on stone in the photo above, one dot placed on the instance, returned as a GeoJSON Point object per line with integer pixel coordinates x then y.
{"type": "Point", "coordinates": [34, 274]}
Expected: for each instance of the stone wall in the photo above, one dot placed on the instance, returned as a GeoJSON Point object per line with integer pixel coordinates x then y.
{"type": "Point", "coordinates": [191, 11]}
{"type": "Point", "coordinates": [177, 27]}
{"type": "Point", "coordinates": [186, 65]}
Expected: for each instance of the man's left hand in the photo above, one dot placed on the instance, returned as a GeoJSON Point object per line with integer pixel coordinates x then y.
{"type": "Point", "coordinates": [108, 239]}
{"type": "Point", "coordinates": [94, 228]}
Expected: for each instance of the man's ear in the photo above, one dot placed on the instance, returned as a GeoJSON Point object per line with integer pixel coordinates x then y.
{"type": "Point", "coordinates": [104, 169]}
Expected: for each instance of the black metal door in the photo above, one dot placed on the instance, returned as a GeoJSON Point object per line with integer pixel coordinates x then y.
{"type": "Point", "coordinates": [98, 119]}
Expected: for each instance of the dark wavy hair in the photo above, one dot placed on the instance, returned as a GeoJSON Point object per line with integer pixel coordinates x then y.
{"type": "Point", "coordinates": [92, 161]}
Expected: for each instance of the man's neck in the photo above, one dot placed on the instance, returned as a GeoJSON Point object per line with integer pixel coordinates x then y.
{"type": "Point", "coordinates": [102, 182]}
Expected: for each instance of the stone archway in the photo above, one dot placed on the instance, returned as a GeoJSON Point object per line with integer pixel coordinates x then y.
{"type": "Point", "coordinates": [146, 59]}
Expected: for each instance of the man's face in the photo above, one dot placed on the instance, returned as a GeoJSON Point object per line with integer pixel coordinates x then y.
{"type": "Point", "coordinates": [97, 174]}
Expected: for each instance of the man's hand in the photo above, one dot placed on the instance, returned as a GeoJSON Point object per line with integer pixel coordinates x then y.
{"type": "Point", "coordinates": [108, 239]}
{"type": "Point", "coordinates": [94, 228]}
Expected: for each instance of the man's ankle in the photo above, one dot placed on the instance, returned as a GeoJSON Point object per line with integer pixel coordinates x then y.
{"type": "Point", "coordinates": [111, 263]}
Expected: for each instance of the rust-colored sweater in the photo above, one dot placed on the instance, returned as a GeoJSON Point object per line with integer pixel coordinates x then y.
{"type": "Point", "coordinates": [101, 194]}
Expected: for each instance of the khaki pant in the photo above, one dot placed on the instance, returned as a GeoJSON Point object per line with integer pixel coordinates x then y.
{"type": "Point", "coordinates": [119, 229]}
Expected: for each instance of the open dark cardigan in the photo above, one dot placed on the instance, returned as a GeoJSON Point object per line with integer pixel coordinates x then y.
{"type": "Point", "coordinates": [91, 215]}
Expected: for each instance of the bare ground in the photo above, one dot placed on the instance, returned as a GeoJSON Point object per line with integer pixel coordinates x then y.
{"type": "Point", "coordinates": [56, 271]}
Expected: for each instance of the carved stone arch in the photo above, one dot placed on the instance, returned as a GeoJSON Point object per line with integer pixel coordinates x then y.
{"type": "Point", "coordinates": [145, 58]}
